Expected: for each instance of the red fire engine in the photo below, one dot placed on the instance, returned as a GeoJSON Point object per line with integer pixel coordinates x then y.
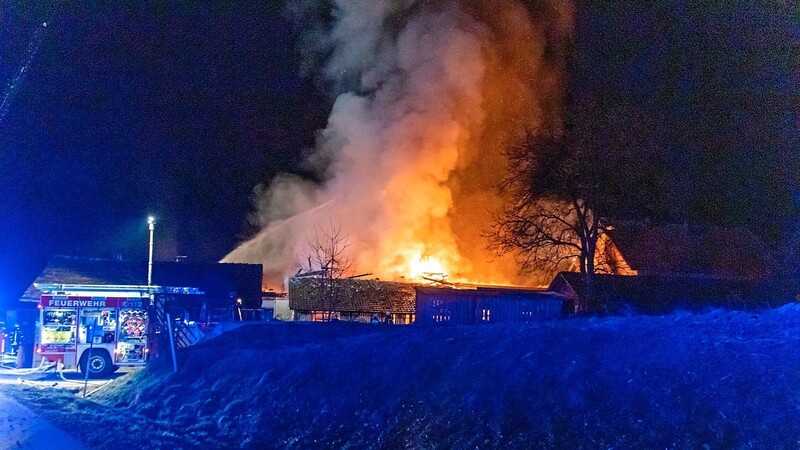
{"type": "Point", "coordinates": [98, 328]}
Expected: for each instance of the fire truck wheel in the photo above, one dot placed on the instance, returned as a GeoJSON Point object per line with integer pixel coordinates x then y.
{"type": "Point", "coordinates": [99, 364]}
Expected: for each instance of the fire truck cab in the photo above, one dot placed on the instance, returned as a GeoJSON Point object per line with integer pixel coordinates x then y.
{"type": "Point", "coordinates": [94, 328]}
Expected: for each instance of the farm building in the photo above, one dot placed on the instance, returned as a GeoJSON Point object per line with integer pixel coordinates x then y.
{"type": "Point", "coordinates": [663, 293]}
{"type": "Point", "coordinates": [643, 248]}
{"type": "Point", "coordinates": [485, 305]}
{"type": "Point", "coordinates": [225, 286]}
{"type": "Point", "coordinates": [404, 303]}
{"type": "Point", "coordinates": [660, 267]}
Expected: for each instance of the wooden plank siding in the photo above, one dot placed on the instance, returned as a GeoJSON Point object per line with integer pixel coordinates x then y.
{"type": "Point", "coordinates": [470, 306]}
{"type": "Point", "coordinates": [351, 298]}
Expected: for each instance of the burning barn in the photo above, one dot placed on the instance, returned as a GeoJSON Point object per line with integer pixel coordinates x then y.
{"type": "Point", "coordinates": [319, 299]}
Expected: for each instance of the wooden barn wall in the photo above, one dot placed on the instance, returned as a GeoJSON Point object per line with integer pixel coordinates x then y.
{"type": "Point", "coordinates": [355, 296]}
{"type": "Point", "coordinates": [515, 309]}
{"type": "Point", "coordinates": [463, 309]}
{"type": "Point", "coordinates": [444, 309]}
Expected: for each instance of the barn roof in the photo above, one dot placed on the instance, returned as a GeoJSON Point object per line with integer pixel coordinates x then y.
{"type": "Point", "coordinates": [490, 291]}
{"type": "Point", "coordinates": [215, 279]}
{"type": "Point", "coordinates": [684, 249]}
{"type": "Point", "coordinates": [74, 270]}
{"type": "Point", "coordinates": [352, 295]}
{"type": "Point", "coordinates": [655, 293]}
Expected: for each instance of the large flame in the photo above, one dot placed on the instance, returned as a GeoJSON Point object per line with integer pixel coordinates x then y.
{"type": "Point", "coordinates": [426, 266]}
{"type": "Point", "coordinates": [412, 152]}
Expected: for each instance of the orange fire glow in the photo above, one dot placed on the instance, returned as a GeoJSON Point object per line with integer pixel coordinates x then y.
{"type": "Point", "coordinates": [414, 155]}
{"type": "Point", "coordinates": [426, 266]}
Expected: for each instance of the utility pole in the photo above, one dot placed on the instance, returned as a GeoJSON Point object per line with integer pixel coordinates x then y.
{"type": "Point", "coordinates": [151, 225]}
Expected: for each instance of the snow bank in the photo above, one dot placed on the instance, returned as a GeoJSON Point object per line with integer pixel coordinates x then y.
{"type": "Point", "coordinates": [723, 379]}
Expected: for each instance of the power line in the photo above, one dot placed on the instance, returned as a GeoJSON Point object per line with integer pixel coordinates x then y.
{"type": "Point", "coordinates": [16, 81]}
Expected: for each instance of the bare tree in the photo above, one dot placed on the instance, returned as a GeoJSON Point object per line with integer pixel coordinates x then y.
{"type": "Point", "coordinates": [563, 182]}
{"type": "Point", "coordinates": [330, 252]}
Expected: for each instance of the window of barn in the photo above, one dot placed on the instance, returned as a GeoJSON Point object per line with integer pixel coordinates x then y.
{"type": "Point", "coordinates": [402, 319]}
{"type": "Point", "coordinates": [441, 317]}
{"type": "Point", "coordinates": [324, 316]}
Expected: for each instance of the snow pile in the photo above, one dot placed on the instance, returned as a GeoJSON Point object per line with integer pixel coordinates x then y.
{"type": "Point", "coordinates": [720, 379]}
{"type": "Point", "coordinates": [94, 425]}
{"type": "Point", "coordinates": [723, 379]}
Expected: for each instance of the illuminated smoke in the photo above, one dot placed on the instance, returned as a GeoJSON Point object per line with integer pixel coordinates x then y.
{"type": "Point", "coordinates": [413, 154]}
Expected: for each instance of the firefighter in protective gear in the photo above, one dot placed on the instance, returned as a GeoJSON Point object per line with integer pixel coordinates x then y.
{"type": "Point", "coordinates": [15, 338]}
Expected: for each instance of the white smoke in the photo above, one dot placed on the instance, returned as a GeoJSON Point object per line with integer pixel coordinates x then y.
{"type": "Point", "coordinates": [407, 151]}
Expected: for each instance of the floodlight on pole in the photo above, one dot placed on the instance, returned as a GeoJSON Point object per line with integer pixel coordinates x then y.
{"type": "Point", "coordinates": [151, 221]}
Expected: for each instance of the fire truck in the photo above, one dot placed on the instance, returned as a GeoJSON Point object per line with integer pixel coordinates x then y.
{"type": "Point", "coordinates": [94, 328]}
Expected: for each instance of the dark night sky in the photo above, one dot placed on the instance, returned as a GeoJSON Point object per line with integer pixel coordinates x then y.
{"type": "Point", "coordinates": [180, 111]}
{"type": "Point", "coordinates": [128, 111]}
{"type": "Point", "coordinates": [718, 84]}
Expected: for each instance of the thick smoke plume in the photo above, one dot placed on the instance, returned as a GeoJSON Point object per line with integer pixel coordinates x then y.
{"type": "Point", "coordinates": [413, 154]}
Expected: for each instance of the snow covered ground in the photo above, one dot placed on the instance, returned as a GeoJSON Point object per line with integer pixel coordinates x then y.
{"type": "Point", "coordinates": [21, 428]}
{"type": "Point", "coordinates": [720, 379]}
